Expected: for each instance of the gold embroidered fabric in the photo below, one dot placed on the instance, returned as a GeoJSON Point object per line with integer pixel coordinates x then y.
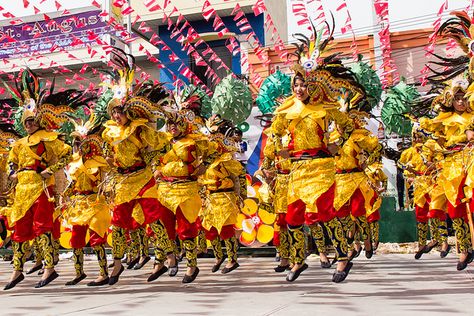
{"type": "Point", "coordinates": [308, 123]}
{"type": "Point", "coordinates": [220, 174]}
{"type": "Point", "coordinates": [128, 186]}
{"type": "Point", "coordinates": [309, 179]}
{"type": "Point", "coordinates": [89, 209]}
{"type": "Point", "coordinates": [182, 194]}
{"type": "Point", "coordinates": [452, 174]}
{"type": "Point", "coordinates": [220, 210]}
{"type": "Point", "coordinates": [280, 197]}
{"type": "Point", "coordinates": [360, 140]}
{"type": "Point", "coordinates": [346, 184]}
{"type": "Point", "coordinates": [132, 142]}
{"type": "Point", "coordinates": [189, 151]}
{"type": "Point", "coordinates": [30, 184]}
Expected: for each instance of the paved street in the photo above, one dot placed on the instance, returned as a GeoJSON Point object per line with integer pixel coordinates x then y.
{"type": "Point", "coordinates": [389, 284]}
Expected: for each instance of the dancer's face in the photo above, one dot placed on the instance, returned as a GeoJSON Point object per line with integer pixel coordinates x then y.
{"type": "Point", "coordinates": [460, 102]}
{"type": "Point", "coordinates": [119, 117]}
{"type": "Point", "coordinates": [300, 89]}
{"type": "Point", "coordinates": [31, 126]}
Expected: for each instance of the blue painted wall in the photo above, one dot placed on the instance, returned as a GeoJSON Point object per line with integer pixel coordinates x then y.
{"type": "Point", "coordinates": [202, 26]}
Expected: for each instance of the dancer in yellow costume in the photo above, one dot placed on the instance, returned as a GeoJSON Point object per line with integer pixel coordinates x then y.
{"type": "Point", "coordinates": [306, 117]}
{"type": "Point", "coordinates": [87, 209]}
{"type": "Point", "coordinates": [449, 127]}
{"type": "Point", "coordinates": [376, 185]}
{"type": "Point", "coordinates": [278, 185]}
{"type": "Point", "coordinates": [178, 189]}
{"type": "Point", "coordinates": [352, 199]}
{"type": "Point", "coordinates": [33, 160]}
{"type": "Point", "coordinates": [134, 145]}
{"type": "Point", "coordinates": [223, 193]}
{"type": "Point", "coordinates": [453, 130]}
{"type": "Point", "coordinates": [419, 165]}
{"type": "Point", "coordinates": [7, 137]}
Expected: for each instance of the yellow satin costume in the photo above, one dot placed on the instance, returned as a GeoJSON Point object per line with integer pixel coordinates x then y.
{"type": "Point", "coordinates": [87, 207]}
{"type": "Point", "coordinates": [25, 158]}
{"type": "Point", "coordinates": [134, 146]}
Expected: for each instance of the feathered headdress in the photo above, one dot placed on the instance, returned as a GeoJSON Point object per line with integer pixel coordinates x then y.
{"type": "Point", "coordinates": [50, 110]}
{"type": "Point", "coordinates": [7, 137]}
{"type": "Point", "coordinates": [457, 72]}
{"type": "Point", "coordinates": [324, 76]}
{"type": "Point", "coordinates": [145, 100]}
{"type": "Point", "coordinates": [223, 131]}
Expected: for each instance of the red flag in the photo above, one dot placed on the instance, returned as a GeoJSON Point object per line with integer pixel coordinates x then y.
{"type": "Point", "coordinates": [96, 4]}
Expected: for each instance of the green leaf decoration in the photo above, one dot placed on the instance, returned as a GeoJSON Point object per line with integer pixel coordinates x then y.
{"type": "Point", "coordinates": [368, 78]}
{"type": "Point", "coordinates": [396, 107]}
{"type": "Point", "coordinates": [206, 106]}
{"type": "Point", "coordinates": [275, 86]}
{"type": "Point", "coordinates": [18, 125]}
{"type": "Point", "coordinates": [232, 100]}
{"type": "Point", "coordinates": [100, 107]}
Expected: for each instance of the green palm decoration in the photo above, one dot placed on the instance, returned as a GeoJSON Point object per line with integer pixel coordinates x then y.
{"type": "Point", "coordinates": [368, 78]}
{"type": "Point", "coordinates": [397, 107]}
{"type": "Point", "coordinates": [206, 106]}
{"type": "Point", "coordinates": [232, 100]}
{"type": "Point", "coordinates": [275, 86]}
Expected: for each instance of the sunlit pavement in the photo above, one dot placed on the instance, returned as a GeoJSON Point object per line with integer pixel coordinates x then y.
{"type": "Point", "coordinates": [389, 284]}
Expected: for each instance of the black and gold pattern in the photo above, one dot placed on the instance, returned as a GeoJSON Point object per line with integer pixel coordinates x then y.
{"type": "Point", "coordinates": [47, 246]}
{"type": "Point", "coordinates": [462, 234]}
{"type": "Point", "coordinates": [362, 227]}
{"type": "Point", "coordinates": [434, 231]}
{"type": "Point", "coordinates": [284, 247]}
{"type": "Point", "coordinates": [374, 232]}
{"type": "Point", "coordinates": [347, 226]}
{"type": "Point", "coordinates": [78, 258]}
{"type": "Point", "coordinates": [338, 238]}
{"type": "Point", "coordinates": [19, 254]}
{"type": "Point", "coordinates": [297, 244]}
{"type": "Point", "coordinates": [422, 229]}
{"type": "Point", "coordinates": [56, 246]}
{"type": "Point", "coordinates": [318, 237]}
{"type": "Point", "coordinates": [37, 250]}
{"type": "Point", "coordinates": [119, 242]}
{"type": "Point", "coordinates": [191, 255]}
{"type": "Point", "coordinates": [443, 231]}
{"type": "Point", "coordinates": [202, 242]}
{"type": "Point", "coordinates": [231, 246]}
{"type": "Point", "coordinates": [217, 248]}
{"type": "Point", "coordinates": [163, 245]}
{"type": "Point", "coordinates": [102, 259]}
{"type": "Point", "coordinates": [134, 245]}
{"type": "Point", "coordinates": [143, 241]}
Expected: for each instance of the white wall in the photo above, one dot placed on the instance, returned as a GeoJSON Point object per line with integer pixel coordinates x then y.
{"type": "Point", "coordinates": [403, 14]}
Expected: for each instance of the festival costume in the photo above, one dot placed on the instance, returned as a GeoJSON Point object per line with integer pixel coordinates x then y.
{"type": "Point", "coordinates": [133, 147]}
{"type": "Point", "coordinates": [311, 184]}
{"type": "Point", "coordinates": [7, 137]}
{"type": "Point", "coordinates": [278, 191]}
{"type": "Point", "coordinates": [417, 163]}
{"type": "Point", "coordinates": [352, 197]}
{"type": "Point", "coordinates": [376, 184]}
{"type": "Point", "coordinates": [452, 126]}
{"type": "Point", "coordinates": [87, 209]}
{"type": "Point", "coordinates": [178, 189]}
{"type": "Point", "coordinates": [219, 214]}
{"type": "Point", "coordinates": [32, 212]}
